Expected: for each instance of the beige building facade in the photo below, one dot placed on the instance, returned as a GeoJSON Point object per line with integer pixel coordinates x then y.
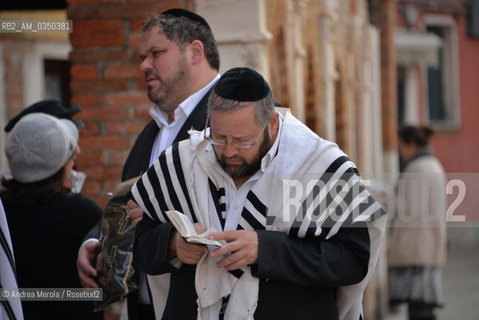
{"type": "Point", "coordinates": [322, 59]}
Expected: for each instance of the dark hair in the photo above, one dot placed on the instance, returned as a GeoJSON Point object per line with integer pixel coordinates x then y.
{"type": "Point", "coordinates": [416, 134]}
{"type": "Point", "coordinates": [26, 195]}
{"type": "Point", "coordinates": [184, 31]}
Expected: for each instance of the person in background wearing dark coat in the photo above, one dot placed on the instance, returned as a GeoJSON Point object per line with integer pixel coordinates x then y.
{"type": "Point", "coordinates": [180, 60]}
{"type": "Point", "coordinates": [43, 212]}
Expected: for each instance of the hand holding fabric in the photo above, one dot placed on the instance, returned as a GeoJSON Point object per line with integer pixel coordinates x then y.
{"type": "Point", "coordinates": [243, 246]}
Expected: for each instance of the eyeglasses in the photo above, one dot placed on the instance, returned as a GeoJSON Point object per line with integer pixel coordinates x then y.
{"type": "Point", "coordinates": [241, 145]}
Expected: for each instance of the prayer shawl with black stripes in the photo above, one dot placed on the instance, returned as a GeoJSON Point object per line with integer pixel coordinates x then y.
{"type": "Point", "coordinates": [10, 308]}
{"type": "Point", "coordinates": [309, 185]}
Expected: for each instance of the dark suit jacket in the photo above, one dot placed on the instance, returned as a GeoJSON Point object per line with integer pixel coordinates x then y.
{"type": "Point", "coordinates": [139, 158]}
{"type": "Point", "coordinates": [298, 278]}
{"type": "Point", "coordinates": [138, 162]}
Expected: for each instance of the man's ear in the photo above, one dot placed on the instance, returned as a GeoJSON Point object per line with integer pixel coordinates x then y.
{"type": "Point", "coordinates": [197, 51]}
{"type": "Point", "coordinates": [274, 123]}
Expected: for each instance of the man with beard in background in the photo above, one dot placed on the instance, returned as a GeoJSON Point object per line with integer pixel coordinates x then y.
{"type": "Point", "coordinates": [180, 60]}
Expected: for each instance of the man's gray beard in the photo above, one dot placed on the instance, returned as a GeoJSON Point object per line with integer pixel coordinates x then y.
{"type": "Point", "coordinates": [247, 169]}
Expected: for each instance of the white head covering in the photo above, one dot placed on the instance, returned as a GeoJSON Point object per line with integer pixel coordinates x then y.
{"type": "Point", "coordinates": [39, 145]}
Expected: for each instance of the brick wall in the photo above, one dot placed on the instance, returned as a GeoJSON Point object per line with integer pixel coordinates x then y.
{"type": "Point", "coordinates": [106, 80]}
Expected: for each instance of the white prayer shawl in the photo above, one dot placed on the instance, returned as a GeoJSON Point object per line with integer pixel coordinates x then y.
{"type": "Point", "coordinates": [310, 184]}
{"type": "Point", "coordinates": [10, 308]}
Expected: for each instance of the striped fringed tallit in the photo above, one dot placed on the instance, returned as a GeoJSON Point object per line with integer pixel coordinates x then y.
{"type": "Point", "coordinates": [310, 188]}
{"type": "Point", "coordinates": [10, 308]}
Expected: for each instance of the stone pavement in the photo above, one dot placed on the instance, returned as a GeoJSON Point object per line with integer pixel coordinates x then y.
{"type": "Point", "coordinates": [461, 285]}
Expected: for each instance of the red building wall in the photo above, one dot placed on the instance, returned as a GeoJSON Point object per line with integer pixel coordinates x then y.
{"type": "Point", "coordinates": [459, 150]}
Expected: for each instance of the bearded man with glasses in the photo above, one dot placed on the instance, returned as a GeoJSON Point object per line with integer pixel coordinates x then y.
{"type": "Point", "coordinates": [306, 253]}
{"type": "Point", "coordinates": [234, 159]}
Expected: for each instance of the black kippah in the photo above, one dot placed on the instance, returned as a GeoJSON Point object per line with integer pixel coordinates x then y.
{"type": "Point", "coordinates": [178, 12]}
{"type": "Point", "coordinates": [52, 107]}
{"type": "Point", "coordinates": [242, 84]}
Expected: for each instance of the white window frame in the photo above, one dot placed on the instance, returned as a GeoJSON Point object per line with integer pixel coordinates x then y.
{"type": "Point", "coordinates": [34, 68]}
{"type": "Point", "coordinates": [34, 78]}
{"type": "Point", "coordinates": [451, 73]}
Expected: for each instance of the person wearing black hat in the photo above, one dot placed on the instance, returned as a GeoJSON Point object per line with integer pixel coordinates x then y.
{"type": "Point", "coordinates": [180, 61]}
{"type": "Point", "coordinates": [300, 232]}
{"type": "Point", "coordinates": [52, 107]}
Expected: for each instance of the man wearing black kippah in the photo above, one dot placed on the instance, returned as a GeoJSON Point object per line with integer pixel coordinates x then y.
{"type": "Point", "coordinates": [299, 234]}
{"type": "Point", "coordinates": [180, 61]}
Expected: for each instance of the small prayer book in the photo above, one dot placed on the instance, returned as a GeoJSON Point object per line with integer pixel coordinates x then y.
{"type": "Point", "coordinates": [186, 229]}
